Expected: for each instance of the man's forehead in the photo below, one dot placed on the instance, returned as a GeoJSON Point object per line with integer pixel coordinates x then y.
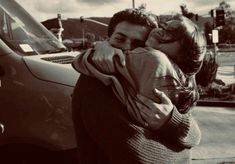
{"type": "Point", "coordinates": [132, 31]}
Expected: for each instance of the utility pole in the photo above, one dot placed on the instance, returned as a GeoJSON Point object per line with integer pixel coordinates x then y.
{"type": "Point", "coordinates": [60, 29]}
{"type": "Point", "coordinates": [133, 4]}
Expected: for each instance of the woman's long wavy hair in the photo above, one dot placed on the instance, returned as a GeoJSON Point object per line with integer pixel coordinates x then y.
{"type": "Point", "coordinates": [193, 43]}
{"type": "Point", "coordinates": [190, 58]}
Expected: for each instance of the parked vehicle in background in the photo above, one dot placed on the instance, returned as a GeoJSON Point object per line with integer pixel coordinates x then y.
{"type": "Point", "coordinates": [36, 83]}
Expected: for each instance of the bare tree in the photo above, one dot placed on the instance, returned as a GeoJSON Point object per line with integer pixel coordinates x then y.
{"type": "Point", "coordinates": [142, 7]}
{"type": "Point", "coordinates": [226, 7]}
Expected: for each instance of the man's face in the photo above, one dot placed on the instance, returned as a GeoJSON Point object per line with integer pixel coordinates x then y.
{"type": "Point", "coordinates": [128, 36]}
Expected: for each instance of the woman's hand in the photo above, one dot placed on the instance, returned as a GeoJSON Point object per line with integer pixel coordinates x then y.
{"type": "Point", "coordinates": [155, 114]}
{"type": "Point", "coordinates": [104, 54]}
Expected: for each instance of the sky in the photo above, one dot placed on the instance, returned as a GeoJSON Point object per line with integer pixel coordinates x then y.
{"type": "Point", "coordinates": [48, 9]}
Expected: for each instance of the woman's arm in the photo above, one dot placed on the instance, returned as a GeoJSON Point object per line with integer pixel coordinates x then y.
{"type": "Point", "coordinates": [104, 55]}
{"type": "Point", "coordinates": [183, 128]}
{"type": "Point", "coordinates": [165, 119]}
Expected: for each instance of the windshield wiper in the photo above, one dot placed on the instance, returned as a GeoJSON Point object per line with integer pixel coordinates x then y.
{"type": "Point", "coordinates": [58, 50]}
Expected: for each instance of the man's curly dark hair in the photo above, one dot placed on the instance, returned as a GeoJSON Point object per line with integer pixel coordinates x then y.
{"type": "Point", "coordinates": [134, 16]}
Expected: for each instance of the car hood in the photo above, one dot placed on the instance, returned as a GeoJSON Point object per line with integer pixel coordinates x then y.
{"type": "Point", "coordinates": [53, 67]}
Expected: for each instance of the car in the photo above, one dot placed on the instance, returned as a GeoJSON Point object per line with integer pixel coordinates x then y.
{"type": "Point", "coordinates": [36, 83]}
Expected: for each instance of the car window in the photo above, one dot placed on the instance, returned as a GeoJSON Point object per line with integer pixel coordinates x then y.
{"type": "Point", "coordinates": [24, 34]}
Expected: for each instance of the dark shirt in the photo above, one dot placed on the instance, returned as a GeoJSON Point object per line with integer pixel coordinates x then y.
{"type": "Point", "coordinates": [107, 135]}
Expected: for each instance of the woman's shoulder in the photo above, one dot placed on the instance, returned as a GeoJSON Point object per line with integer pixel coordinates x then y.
{"type": "Point", "coordinates": [147, 53]}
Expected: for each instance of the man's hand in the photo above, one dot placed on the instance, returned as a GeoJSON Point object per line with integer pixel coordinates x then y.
{"type": "Point", "coordinates": [155, 114]}
{"type": "Point", "coordinates": [104, 55]}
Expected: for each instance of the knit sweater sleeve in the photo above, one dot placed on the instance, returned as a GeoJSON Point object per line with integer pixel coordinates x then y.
{"type": "Point", "coordinates": [182, 128]}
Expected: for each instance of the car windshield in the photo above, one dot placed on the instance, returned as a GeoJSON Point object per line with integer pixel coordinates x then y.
{"type": "Point", "coordinates": [22, 33]}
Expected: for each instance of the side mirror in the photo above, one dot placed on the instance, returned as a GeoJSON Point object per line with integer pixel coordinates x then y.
{"type": "Point", "coordinates": [4, 49]}
{"type": "Point", "coordinates": [1, 128]}
{"type": "Point", "coordinates": [2, 72]}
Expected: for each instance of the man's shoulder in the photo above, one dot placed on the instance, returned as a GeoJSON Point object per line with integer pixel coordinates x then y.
{"type": "Point", "coordinates": [87, 80]}
{"type": "Point", "coordinates": [89, 83]}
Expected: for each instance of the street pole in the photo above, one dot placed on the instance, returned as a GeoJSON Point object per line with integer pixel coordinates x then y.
{"type": "Point", "coordinates": [215, 35]}
{"type": "Point", "coordinates": [133, 4]}
{"type": "Point", "coordinates": [215, 39]}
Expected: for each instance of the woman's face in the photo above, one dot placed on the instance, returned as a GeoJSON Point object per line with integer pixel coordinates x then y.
{"type": "Point", "coordinates": [162, 40]}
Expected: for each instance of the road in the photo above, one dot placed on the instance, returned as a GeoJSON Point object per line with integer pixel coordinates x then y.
{"type": "Point", "coordinates": [226, 70]}
{"type": "Point", "coordinates": [217, 144]}
{"type": "Point", "coordinates": [218, 135]}
{"type": "Point", "coordinates": [226, 58]}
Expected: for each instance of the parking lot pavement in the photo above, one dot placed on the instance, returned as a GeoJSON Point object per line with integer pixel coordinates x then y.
{"type": "Point", "coordinates": [217, 145]}
{"type": "Point", "coordinates": [218, 135]}
{"type": "Point", "coordinates": [28, 154]}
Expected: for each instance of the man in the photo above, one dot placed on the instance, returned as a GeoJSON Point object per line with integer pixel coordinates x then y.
{"type": "Point", "coordinates": [106, 133]}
